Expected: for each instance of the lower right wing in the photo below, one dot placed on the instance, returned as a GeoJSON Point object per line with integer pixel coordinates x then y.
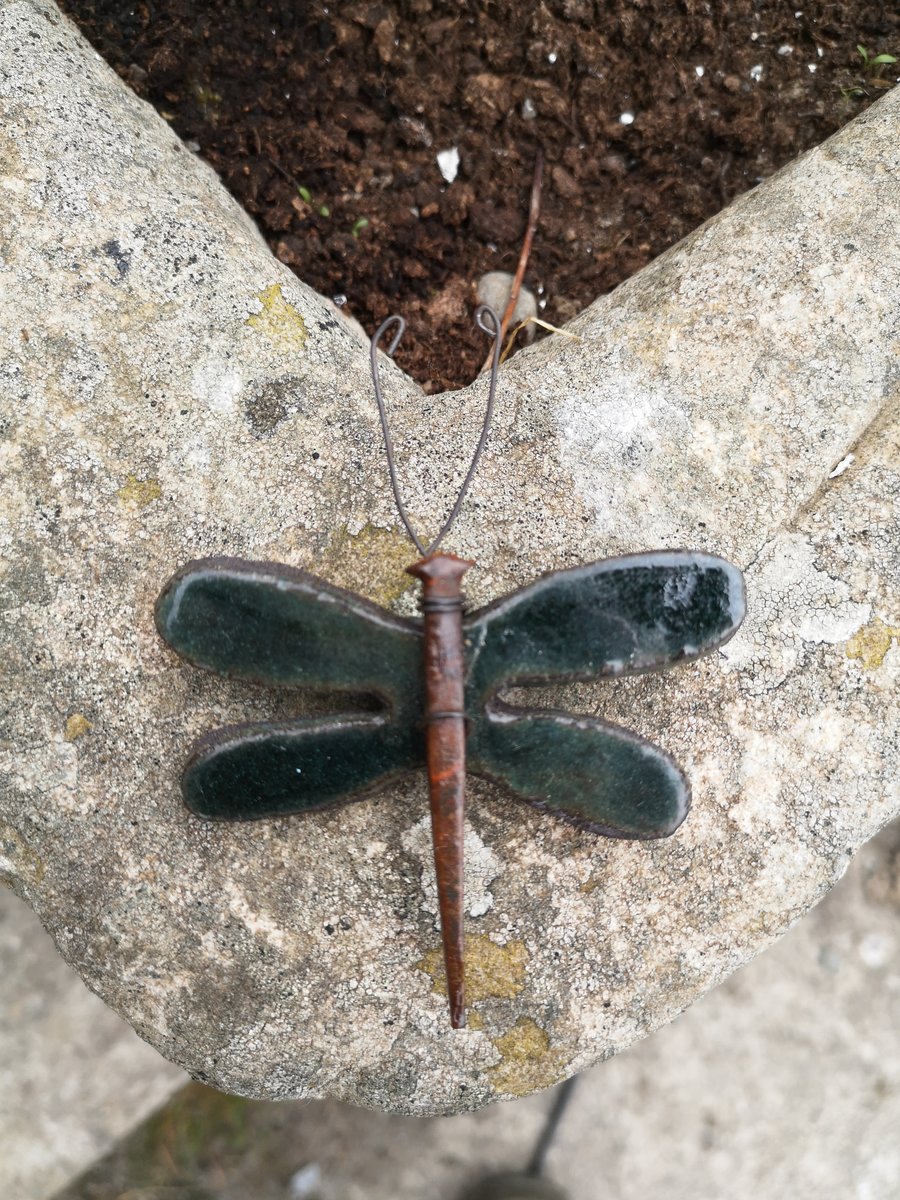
{"type": "Point", "coordinates": [583, 770]}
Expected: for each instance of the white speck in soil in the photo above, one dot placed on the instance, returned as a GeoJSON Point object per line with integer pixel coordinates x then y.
{"type": "Point", "coordinates": [756, 73]}
{"type": "Point", "coordinates": [700, 72]}
{"type": "Point", "coordinates": [448, 163]}
{"type": "Point", "coordinates": [627, 118]}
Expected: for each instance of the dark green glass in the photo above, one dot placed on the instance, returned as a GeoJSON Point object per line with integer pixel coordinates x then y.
{"type": "Point", "coordinates": [276, 625]}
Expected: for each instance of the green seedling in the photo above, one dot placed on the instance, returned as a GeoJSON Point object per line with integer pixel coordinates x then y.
{"type": "Point", "coordinates": [359, 226]}
{"type": "Point", "coordinates": [872, 77]}
{"type": "Point", "coordinates": [871, 61]}
{"type": "Point", "coordinates": [306, 196]}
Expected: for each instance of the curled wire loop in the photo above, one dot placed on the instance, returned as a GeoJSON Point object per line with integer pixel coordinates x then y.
{"type": "Point", "coordinates": [483, 312]}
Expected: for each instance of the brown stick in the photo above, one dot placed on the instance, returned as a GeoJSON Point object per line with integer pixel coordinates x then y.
{"type": "Point", "coordinates": [445, 744]}
{"type": "Point", "coordinates": [534, 210]}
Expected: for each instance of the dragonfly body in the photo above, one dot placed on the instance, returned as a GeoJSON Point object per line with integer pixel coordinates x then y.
{"type": "Point", "coordinates": [437, 679]}
{"type": "Point", "coordinates": [445, 750]}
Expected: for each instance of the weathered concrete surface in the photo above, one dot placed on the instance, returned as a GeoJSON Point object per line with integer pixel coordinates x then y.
{"type": "Point", "coordinates": [170, 391]}
{"type": "Point", "coordinates": [73, 1077]}
{"type": "Point", "coordinates": [783, 1082]}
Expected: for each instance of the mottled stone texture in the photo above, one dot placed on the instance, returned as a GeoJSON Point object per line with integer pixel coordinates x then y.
{"type": "Point", "coordinates": [168, 392]}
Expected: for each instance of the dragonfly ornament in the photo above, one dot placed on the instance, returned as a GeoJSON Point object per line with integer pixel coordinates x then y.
{"type": "Point", "coordinates": [437, 679]}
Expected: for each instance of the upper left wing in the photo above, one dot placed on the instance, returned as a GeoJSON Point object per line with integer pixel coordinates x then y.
{"type": "Point", "coordinates": [274, 624]}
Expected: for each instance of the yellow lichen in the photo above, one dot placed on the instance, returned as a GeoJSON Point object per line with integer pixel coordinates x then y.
{"type": "Point", "coordinates": [278, 320]}
{"type": "Point", "coordinates": [870, 644]}
{"type": "Point", "coordinates": [140, 492]}
{"type": "Point", "coordinates": [18, 858]}
{"type": "Point", "coordinates": [528, 1061]}
{"type": "Point", "coordinates": [492, 972]}
{"type": "Point", "coordinates": [76, 726]}
{"type": "Point", "coordinates": [372, 562]}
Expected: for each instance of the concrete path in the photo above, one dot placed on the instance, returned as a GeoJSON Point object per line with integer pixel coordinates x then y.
{"type": "Point", "coordinates": [73, 1076]}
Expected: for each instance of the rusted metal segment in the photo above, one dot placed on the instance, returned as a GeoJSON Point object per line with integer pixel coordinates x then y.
{"type": "Point", "coordinates": [445, 742]}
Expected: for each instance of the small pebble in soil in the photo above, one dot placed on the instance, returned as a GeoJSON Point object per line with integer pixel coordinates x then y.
{"type": "Point", "coordinates": [700, 72]}
{"type": "Point", "coordinates": [529, 112]}
{"type": "Point", "coordinates": [627, 118]}
{"type": "Point", "coordinates": [756, 73]}
{"type": "Point", "coordinates": [494, 289]}
{"type": "Point", "coordinates": [448, 163]}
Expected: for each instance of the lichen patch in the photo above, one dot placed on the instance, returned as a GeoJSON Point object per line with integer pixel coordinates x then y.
{"type": "Point", "coordinates": [371, 562]}
{"type": "Point", "coordinates": [139, 492]}
{"type": "Point", "coordinates": [528, 1062]}
{"type": "Point", "coordinates": [870, 644]}
{"type": "Point", "coordinates": [77, 725]}
{"type": "Point", "coordinates": [492, 972]}
{"type": "Point", "coordinates": [278, 319]}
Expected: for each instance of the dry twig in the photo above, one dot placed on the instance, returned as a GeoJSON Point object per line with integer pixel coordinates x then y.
{"type": "Point", "coordinates": [576, 337]}
{"type": "Point", "coordinates": [533, 213]}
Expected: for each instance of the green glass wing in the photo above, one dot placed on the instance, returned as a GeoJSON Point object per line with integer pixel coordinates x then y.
{"type": "Point", "coordinates": [594, 775]}
{"type": "Point", "coordinates": [641, 612]}
{"type": "Point", "coordinates": [247, 772]}
{"type": "Point", "coordinates": [272, 624]}
{"type": "Point", "coordinates": [276, 625]}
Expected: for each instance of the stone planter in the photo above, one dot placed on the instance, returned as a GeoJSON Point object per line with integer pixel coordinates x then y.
{"type": "Point", "coordinates": [169, 391]}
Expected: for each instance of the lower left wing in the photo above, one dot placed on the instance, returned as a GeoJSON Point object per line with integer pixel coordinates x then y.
{"type": "Point", "coordinates": [274, 768]}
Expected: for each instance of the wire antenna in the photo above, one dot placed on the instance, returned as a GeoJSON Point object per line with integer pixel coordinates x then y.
{"type": "Point", "coordinates": [493, 330]}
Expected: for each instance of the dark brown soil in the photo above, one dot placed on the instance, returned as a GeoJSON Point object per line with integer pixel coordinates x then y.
{"type": "Point", "coordinates": [325, 122]}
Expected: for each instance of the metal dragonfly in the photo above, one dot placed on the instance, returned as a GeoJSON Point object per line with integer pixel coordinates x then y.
{"type": "Point", "coordinates": [437, 679]}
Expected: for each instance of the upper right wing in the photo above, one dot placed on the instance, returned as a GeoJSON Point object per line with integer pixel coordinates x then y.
{"type": "Point", "coordinates": [640, 612]}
